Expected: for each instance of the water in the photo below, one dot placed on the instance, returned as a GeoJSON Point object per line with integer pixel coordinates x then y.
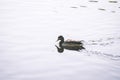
{"type": "Point", "coordinates": [28, 34]}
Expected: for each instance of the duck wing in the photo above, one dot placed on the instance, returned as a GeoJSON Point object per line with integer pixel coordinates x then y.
{"type": "Point", "coordinates": [74, 42]}
{"type": "Point", "coordinates": [71, 46]}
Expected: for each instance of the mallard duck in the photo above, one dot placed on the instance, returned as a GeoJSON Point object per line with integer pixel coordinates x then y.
{"type": "Point", "coordinates": [69, 44]}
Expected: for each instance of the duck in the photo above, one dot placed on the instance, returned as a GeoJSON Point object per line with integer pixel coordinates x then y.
{"type": "Point", "coordinates": [69, 44]}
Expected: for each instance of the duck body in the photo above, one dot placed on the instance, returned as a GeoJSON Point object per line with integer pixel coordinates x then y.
{"type": "Point", "coordinates": [70, 45]}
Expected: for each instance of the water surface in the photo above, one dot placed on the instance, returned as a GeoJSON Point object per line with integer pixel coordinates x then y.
{"type": "Point", "coordinates": [28, 34]}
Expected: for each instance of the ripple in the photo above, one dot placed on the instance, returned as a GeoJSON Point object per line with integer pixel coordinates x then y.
{"type": "Point", "coordinates": [93, 1]}
{"type": "Point", "coordinates": [113, 1]}
{"type": "Point", "coordinates": [105, 55]}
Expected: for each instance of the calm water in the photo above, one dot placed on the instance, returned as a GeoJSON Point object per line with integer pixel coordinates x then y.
{"type": "Point", "coordinates": [28, 34]}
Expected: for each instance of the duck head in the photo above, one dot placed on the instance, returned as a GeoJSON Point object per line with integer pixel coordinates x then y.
{"type": "Point", "coordinates": [61, 38]}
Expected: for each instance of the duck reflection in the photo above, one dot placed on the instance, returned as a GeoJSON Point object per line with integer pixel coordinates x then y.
{"type": "Point", "coordinates": [69, 45]}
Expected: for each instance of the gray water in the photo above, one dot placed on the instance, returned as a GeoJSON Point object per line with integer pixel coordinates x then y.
{"type": "Point", "coordinates": [28, 34]}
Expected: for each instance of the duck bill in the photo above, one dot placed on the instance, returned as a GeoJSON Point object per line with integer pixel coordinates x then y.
{"type": "Point", "coordinates": [57, 40]}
